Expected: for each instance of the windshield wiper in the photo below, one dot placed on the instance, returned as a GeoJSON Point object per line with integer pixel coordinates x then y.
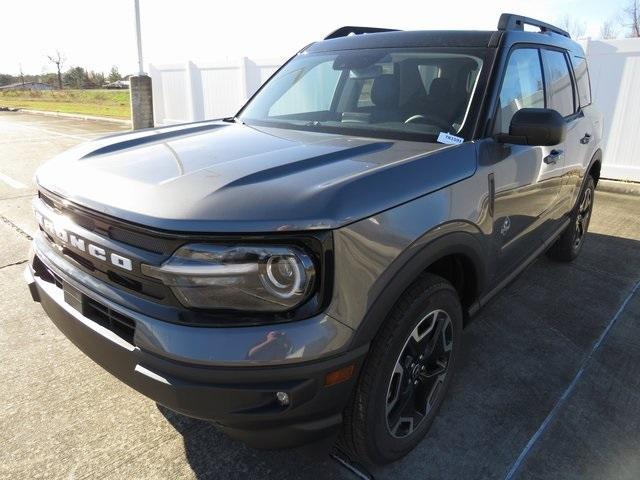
{"type": "Point", "coordinates": [233, 120]}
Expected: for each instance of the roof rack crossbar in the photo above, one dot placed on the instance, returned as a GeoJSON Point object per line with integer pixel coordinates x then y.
{"type": "Point", "coordinates": [510, 21]}
{"type": "Point", "coordinates": [345, 31]}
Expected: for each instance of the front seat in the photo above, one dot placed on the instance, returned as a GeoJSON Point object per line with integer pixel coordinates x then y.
{"type": "Point", "coordinates": [385, 93]}
{"type": "Point", "coordinates": [439, 97]}
{"type": "Point", "coordinates": [442, 100]}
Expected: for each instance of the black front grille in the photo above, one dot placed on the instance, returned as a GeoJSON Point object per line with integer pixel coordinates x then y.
{"type": "Point", "coordinates": [146, 242]}
{"type": "Point", "coordinates": [112, 228]}
{"type": "Point", "coordinates": [103, 315]}
{"type": "Point", "coordinates": [157, 246]}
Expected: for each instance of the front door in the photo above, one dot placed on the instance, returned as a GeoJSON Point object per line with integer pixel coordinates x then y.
{"type": "Point", "coordinates": [527, 179]}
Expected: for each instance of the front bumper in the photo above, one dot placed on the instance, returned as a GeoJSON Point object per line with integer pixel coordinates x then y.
{"type": "Point", "coordinates": [239, 397]}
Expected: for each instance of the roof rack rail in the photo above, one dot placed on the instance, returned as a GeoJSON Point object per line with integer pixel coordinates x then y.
{"type": "Point", "coordinates": [345, 31]}
{"type": "Point", "coordinates": [510, 21]}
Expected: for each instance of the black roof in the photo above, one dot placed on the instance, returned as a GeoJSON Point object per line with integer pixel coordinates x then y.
{"type": "Point", "coordinates": [429, 38]}
{"type": "Point", "coordinates": [510, 30]}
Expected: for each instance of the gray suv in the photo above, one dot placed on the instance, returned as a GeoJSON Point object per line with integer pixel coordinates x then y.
{"type": "Point", "coordinates": [303, 270]}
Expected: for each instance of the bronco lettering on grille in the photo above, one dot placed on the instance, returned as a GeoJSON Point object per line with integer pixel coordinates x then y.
{"type": "Point", "coordinates": [75, 242]}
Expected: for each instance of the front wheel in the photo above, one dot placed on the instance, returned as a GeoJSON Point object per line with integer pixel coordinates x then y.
{"type": "Point", "coordinates": [406, 375]}
{"type": "Point", "coordinates": [568, 245]}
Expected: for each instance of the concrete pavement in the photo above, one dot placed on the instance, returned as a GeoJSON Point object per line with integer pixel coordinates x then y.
{"type": "Point", "coordinates": [533, 397]}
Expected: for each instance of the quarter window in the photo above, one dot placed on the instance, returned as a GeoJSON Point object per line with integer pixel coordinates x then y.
{"type": "Point", "coordinates": [559, 82]}
{"type": "Point", "coordinates": [582, 79]}
{"type": "Point", "coordinates": [522, 86]}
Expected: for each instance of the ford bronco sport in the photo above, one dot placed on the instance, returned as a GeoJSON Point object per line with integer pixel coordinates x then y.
{"type": "Point", "coordinates": [304, 269]}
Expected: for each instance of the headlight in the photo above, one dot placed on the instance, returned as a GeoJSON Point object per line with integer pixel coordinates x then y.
{"type": "Point", "coordinates": [259, 278]}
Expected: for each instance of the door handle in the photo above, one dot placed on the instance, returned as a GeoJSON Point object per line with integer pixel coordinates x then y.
{"type": "Point", "coordinates": [553, 157]}
{"type": "Point", "coordinates": [586, 139]}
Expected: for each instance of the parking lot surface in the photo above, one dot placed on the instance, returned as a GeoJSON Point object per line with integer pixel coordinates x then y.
{"type": "Point", "coordinates": [549, 386]}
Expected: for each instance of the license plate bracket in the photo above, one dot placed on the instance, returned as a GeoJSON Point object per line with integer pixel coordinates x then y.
{"type": "Point", "coordinates": [73, 297]}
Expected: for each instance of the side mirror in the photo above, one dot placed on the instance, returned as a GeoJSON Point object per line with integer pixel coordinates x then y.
{"type": "Point", "coordinates": [536, 127]}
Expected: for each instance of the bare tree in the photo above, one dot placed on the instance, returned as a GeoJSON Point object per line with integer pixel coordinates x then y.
{"type": "Point", "coordinates": [576, 28]}
{"type": "Point", "coordinates": [632, 17]}
{"type": "Point", "coordinates": [609, 29]}
{"type": "Point", "coordinates": [58, 59]}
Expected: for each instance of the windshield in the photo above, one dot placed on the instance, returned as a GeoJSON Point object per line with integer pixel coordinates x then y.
{"type": "Point", "coordinates": [377, 92]}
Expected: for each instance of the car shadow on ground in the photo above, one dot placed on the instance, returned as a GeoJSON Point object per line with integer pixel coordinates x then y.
{"type": "Point", "coordinates": [520, 354]}
{"type": "Point", "coordinates": [211, 453]}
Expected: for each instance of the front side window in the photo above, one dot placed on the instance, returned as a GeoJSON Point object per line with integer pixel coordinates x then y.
{"type": "Point", "coordinates": [384, 92]}
{"type": "Point", "coordinates": [522, 86]}
{"type": "Point", "coordinates": [559, 82]}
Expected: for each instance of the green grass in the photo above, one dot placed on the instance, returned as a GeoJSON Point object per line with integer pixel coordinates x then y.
{"type": "Point", "coordinates": [101, 103]}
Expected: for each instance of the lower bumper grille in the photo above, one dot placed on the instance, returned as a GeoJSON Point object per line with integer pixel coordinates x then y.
{"type": "Point", "coordinates": [119, 324]}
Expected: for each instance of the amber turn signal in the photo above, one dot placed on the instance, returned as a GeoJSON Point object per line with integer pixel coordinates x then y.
{"type": "Point", "coordinates": [337, 376]}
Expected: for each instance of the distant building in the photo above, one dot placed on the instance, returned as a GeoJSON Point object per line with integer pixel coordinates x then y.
{"type": "Point", "coordinates": [27, 86]}
{"type": "Point", "coordinates": [117, 84]}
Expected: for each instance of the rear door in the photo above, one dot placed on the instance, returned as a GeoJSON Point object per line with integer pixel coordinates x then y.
{"type": "Point", "coordinates": [563, 97]}
{"type": "Point", "coordinates": [527, 179]}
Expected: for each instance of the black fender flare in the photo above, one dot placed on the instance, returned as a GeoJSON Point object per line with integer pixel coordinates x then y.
{"type": "Point", "coordinates": [595, 158]}
{"type": "Point", "coordinates": [442, 241]}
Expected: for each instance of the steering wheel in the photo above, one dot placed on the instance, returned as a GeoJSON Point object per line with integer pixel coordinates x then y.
{"type": "Point", "coordinates": [430, 119]}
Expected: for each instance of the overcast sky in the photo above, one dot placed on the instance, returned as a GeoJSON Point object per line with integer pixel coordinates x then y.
{"type": "Point", "coordinates": [97, 34]}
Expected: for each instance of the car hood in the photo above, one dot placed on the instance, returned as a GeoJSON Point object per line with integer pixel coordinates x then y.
{"type": "Point", "coordinates": [224, 177]}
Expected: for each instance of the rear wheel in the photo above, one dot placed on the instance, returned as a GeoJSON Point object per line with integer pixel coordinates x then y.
{"type": "Point", "coordinates": [406, 375]}
{"type": "Point", "coordinates": [568, 245]}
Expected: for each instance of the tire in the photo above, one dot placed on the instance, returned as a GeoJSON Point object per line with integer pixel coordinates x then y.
{"type": "Point", "coordinates": [393, 367]}
{"type": "Point", "coordinates": [568, 246]}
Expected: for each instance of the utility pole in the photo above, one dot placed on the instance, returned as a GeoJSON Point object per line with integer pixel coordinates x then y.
{"type": "Point", "coordinates": [139, 37]}
{"type": "Point", "coordinates": [140, 85]}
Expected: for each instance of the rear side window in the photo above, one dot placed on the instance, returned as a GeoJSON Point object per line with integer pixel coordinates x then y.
{"type": "Point", "coordinates": [559, 82]}
{"type": "Point", "coordinates": [427, 74]}
{"type": "Point", "coordinates": [522, 86]}
{"type": "Point", "coordinates": [364, 100]}
{"type": "Point", "coordinates": [582, 79]}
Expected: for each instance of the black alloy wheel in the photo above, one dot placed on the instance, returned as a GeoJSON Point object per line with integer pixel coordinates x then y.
{"type": "Point", "coordinates": [419, 373]}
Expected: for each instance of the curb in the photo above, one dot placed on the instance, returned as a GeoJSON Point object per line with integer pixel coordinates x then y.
{"type": "Point", "coordinates": [76, 116]}
{"type": "Point", "coordinates": [616, 186]}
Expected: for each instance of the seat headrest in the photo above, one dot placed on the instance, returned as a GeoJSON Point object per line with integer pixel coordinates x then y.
{"type": "Point", "coordinates": [385, 91]}
{"type": "Point", "coordinates": [440, 87]}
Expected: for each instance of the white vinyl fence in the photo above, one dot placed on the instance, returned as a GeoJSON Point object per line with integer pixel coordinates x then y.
{"type": "Point", "coordinates": [614, 68]}
{"type": "Point", "coordinates": [191, 92]}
